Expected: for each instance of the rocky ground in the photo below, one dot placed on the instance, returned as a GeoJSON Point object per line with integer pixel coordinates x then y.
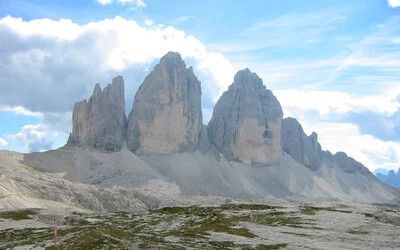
{"type": "Point", "coordinates": [229, 226]}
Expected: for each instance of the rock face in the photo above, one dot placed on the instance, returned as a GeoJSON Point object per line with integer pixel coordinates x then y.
{"type": "Point", "coordinates": [246, 122]}
{"type": "Point", "coordinates": [302, 148]}
{"type": "Point", "coordinates": [307, 151]}
{"type": "Point", "coordinates": [166, 116]}
{"type": "Point", "coordinates": [348, 164]}
{"type": "Point", "coordinates": [100, 122]}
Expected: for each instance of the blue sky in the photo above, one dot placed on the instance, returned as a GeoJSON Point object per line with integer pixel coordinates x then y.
{"type": "Point", "coordinates": [334, 65]}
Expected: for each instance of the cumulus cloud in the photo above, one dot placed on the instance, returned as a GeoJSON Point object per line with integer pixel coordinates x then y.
{"type": "Point", "coordinates": [33, 137]}
{"type": "Point", "coordinates": [328, 103]}
{"type": "Point", "coordinates": [394, 3]}
{"type": "Point", "coordinates": [3, 142]}
{"type": "Point", "coordinates": [56, 63]}
{"type": "Point", "coordinates": [148, 22]}
{"type": "Point", "coordinates": [104, 2]}
{"type": "Point", "coordinates": [19, 110]}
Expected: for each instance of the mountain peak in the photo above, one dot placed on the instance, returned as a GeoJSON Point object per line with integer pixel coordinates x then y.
{"type": "Point", "coordinates": [172, 58]}
{"type": "Point", "coordinates": [246, 122]}
{"type": "Point", "coordinates": [97, 89]}
{"type": "Point", "coordinates": [166, 115]}
{"type": "Point", "coordinates": [245, 77]}
{"type": "Point", "coordinates": [302, 148]}
{"type": "Point", "coordinates": [100, 122]}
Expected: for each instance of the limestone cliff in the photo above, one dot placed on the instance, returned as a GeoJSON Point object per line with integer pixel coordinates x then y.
{"type": "Point", "coordinates": [302, 148]}
{"type": "Point", "coordinates": [307, 151]}
{"type": "Point", "coordinates": [100, 122]}
{"type": "Point", "coordinates": [246, 122]}
{"type": "Point", "coordinates": [166, 115]}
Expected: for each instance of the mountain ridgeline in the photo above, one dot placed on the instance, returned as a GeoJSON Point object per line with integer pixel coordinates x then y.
{"type": "Point", "coordinates": [166, 117]}
{"type": "Point", "coordinates": [163, 155]}
{"type": "Point", "coordinates": [246, 151]}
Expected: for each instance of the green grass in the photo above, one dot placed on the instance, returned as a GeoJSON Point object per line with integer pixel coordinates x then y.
{"type": "Point", "coordinates": [190, 226]}
{"type": "Point", "coordinates": [357, 232]}
{"type": "Point", "coordinates": [330, 209]}
{"type": "Point", "coordinates": [307, 211]}
{"type": "Point", "coordinates": [18, 215]}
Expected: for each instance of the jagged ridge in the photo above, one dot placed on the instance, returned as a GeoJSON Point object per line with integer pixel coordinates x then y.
{"type": "Point", "coordinates": [100, 122]}
{"type": "Point", "coordinates": [246, 129]}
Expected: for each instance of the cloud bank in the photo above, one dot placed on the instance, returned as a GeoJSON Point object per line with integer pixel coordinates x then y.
{"type": "Point", "coordinates": [394, 3]}
{"type": "Point", "coordinates": [33, 137]}
{"type": "Point", "coordinates": [57, 62]}
{"type": "Point", "coordinates": [47, 65]}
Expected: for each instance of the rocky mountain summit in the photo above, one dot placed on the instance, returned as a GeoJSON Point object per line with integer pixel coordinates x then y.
{"type": "Point", "coordinates": [166, 118]}
{"type": "Point", "coordinates": [302, 148]}
{"type": "Point", "coordinates": [100, 122]}
{"type": "Point", "coordinates": [166, 115]}
{"type": "Point", "coordinates": [247, 120]}
{"type": "Point", "coordinates": [164, 155]}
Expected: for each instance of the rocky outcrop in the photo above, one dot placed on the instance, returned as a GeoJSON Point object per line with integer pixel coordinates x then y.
{"type": "Point", "coordinates": [246, 122]}
{"type": "Point", "coordinates": [302, 148]}
{"type": "Point", "coordinates": [307, 151]}
{"type": "Point", "coordinates": [100, 122]}
{"type": "Point", "coordinates": [166, 116]}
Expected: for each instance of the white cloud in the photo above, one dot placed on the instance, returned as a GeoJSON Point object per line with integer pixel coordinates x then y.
{"type": "Point", "coordinates": [63, 60]}
{"type": "Point", "coordinates": [138, 3]}
{"type": "Point", "coordinates": [104, 2]}
{"type": "Point", "coordinates": [182, 19]}
{"type": "Point", "coordinates": [34, 138]}
{"type": "Point", "coordinates": [328, 103]}
{"type": "Point", "coordinates": [63, 29]}
{"type": "Point", "coordinates": [19, 110]}
{"type": "Point", "coordinates": [149, 22]}
{"type": "Point", "coordinates": [394, 3]}
{"type": "Point", "coordinates": [3, 142]}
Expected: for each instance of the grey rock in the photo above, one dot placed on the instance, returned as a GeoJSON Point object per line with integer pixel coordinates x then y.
{"type": "Point", "coordinates": [166, 115]}
{"type": "Point", "coordinates": [246, 122]}
{"type": "Point", "coordinates": [302, 148]}
{"type": "Point", "coordinates": [100, 122]}
{"type": "Point", "coordinates": [307, 151]}
{"type": "Point", "coordinates": [204, 142]}
{"type": "Point", "coordinates": [349, 165]}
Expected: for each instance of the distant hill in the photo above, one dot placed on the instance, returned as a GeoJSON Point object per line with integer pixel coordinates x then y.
{"type": "Point", "coordinates": [390, 178]}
